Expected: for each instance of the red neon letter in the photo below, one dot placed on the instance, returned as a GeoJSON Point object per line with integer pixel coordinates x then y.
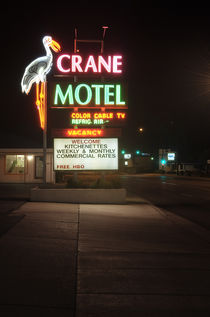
{"type": "Point", "coordinates": [76, 60]}
{"type": "Point", "coordinates": [91, 64]}
{"type": "Point", "coordinates": [59, 63]}
{"type": "Point", "coordinates": [116, 63]}
{"type": "Point", "coordinates": [107, 65]}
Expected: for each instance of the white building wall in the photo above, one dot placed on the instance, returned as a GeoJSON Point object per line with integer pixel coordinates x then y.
{"type": "Point", "coordinates": [29, 172]}
{"type": "Point", "coordinates": [50, 174]}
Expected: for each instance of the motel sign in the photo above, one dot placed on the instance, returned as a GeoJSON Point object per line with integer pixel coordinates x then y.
{"type": "Point", "coordinates": [77, 105]}
{"type": "Point", "coordinates": [68, 64]}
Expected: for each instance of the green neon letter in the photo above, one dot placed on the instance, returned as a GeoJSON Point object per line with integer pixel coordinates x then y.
{"type": "Point", "coordinates": [77, 94]}
{"type": "Point", "coordinates": [63, 97]}
{"type": "Point", "coordinates": [118, 96]}
{"type": "Point", "coordinates": [107, 94]}
{"type": "Point", "coordinates": [97, 93]}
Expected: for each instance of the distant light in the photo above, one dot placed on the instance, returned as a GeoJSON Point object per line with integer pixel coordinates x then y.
{"type": "Point", "coordinates": [152, 158]}
{"type": "Point", "coordinates": [163, 162]}
{"type": "Point", "coordinates": [138, 152]}
{"type": "Point", "coordinates": [30, 157]}
{"type": "Point", "coordinates": [123, 152]}
{"type": "Point", "coordinates": [141, 130]}
{"type": "Point", "coordinates": [126, 162]}
{"type": "Point", "coordinates": [127, 156]}
{"type": "Point", "coordinates": [171, 156]}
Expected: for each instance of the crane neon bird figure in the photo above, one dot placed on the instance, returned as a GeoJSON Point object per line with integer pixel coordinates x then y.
{"type": "Point", "coordinates": [36, 72]}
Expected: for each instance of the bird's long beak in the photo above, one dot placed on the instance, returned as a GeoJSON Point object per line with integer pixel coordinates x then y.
{"type": "Point", "coordinates": [55, 46]}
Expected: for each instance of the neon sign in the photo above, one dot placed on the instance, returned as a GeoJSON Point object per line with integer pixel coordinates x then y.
{"type": "Point", "coordinates": [36, 72]}
{"type": "Point", "coordinates": [77, 64]}
{"type": "Point", "coordinates": [86, 133]}
{"type": "Point", "coordinates": [83, 94]}
{"type": "Point", "coordinates": [96, 118]}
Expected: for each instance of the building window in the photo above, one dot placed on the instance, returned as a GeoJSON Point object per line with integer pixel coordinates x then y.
{"type": "Point", "coordinates": [15, 164]}
{"type": "Point", "coordinates": [38, 166]}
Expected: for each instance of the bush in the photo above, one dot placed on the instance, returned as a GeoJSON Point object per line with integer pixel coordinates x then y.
{"type": "Point", "coordinates": [72, 183]}
{"type": "Point", "coordinates": [94, 181]}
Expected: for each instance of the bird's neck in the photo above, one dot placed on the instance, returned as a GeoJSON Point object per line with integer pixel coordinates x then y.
{"type": "Point", "coordinates": [48, 51]}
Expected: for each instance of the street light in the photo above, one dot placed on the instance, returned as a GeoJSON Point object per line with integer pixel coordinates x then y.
{"type": "Point", "coordinates": [163, 162]}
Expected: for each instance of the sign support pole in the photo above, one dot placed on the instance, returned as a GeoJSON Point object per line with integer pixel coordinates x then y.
{"type": "Point", "coordinates": [75, 174]}
{"type": "Point", "coordinates": [45, 136]}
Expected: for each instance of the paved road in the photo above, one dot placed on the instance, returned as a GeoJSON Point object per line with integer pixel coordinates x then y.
{"type": "Point", "coordinates": [185, 196]}
{"type": "Point", "coordinates": [75, 260]}
{"type": "Point", "coordinates": [6, 208]}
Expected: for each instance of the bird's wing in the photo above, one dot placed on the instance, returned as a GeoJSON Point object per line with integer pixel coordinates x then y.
{"type": "Point", "coordinates": [33, 72]}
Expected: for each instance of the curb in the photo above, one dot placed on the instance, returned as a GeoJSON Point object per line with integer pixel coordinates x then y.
{"type": "Point", "coordinates": [80, 196]}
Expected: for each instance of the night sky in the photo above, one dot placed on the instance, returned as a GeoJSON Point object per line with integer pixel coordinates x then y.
{"type": "Point", "coordinates": [167, 57]}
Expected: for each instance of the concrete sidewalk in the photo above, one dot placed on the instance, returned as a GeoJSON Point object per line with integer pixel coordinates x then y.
{"type": "Point", "coordinates": [103, 260]}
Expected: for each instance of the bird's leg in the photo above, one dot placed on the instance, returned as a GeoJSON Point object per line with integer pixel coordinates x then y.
{"type": "Point", "coordinates": [37, 96]}
{"type": "Point", "coordinates": [38, 101]}
{"type": "Point", "coordinates": [42, 108]}
{"type": "Point", "coordinates": [42, 92]}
